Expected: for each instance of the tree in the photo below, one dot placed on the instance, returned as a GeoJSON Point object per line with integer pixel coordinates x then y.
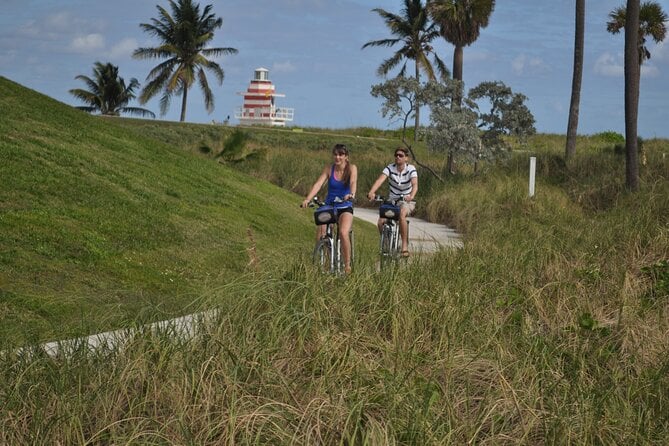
{"type": "Point", "coordinates": [572, 125]}
{"type": "Point", "coordinates": [464, 130]}
{"type": "Point", "coordinates": [107, 92]}
{"type": "Point", "coordinates": [184, 35]}
{"type": "Point", "coordinates": [402, 97]}
{"type": "Point", "coordinates": [460, 23]}
{"type": "Point", "coordinates": [639, 22]}
{"type": "Point", "coordinates": [507, 113]}
{"type": "Point", "coordinates": [472, 134]}
{"type": "Point", "coordinates": [414, 31]}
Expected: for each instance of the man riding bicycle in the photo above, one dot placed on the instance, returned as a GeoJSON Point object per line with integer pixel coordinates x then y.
{"type": "Point", "coordinates": [403, 186]}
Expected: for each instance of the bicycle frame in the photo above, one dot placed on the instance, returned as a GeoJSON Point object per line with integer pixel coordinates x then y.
{"type": "Point", "coordinates": [390, 245]}
{"type": "Point", "coordinates": [327, 252]}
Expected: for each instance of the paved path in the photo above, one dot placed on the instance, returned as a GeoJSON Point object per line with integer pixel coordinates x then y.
{"type": "Point", "coordinates": [423, 236]}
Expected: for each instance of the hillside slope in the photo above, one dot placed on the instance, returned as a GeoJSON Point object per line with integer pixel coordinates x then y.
{"type": "Point", "coordinates": [101, 226]}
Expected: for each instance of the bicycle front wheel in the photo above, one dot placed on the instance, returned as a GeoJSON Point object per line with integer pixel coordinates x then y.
{"type": "Point", "coordinates": [386, 241]}
{"type": "Point", "coordinates": [324, 255]}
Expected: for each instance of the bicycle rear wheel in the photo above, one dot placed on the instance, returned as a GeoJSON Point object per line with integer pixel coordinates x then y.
{"type": "Point", "coordinates": [324, 255]}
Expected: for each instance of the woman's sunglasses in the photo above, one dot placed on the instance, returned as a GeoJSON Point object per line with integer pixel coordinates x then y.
{"type": "Point", "coordinates": [399, 155]}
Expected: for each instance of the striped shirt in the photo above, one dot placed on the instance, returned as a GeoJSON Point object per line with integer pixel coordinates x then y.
{"type": "Point", "coordinates": [400, 182]}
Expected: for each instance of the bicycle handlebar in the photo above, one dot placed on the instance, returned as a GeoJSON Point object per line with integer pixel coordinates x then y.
{"type": "Point", "coordinates": [381, 198]}
{"type": "Point", "coordinates": [316, 202]}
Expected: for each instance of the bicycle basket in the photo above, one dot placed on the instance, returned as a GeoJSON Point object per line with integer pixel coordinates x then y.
{"type": "Point", "coordinates": [388, 210]}
{"type": "Point", "coordinates": [325, 215]}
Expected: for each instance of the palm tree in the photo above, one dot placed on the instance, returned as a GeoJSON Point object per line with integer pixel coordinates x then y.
{"type": "Point", "coordinates": [572, 125]}
{"type": "Point", "coordinates": [460, 24]}
{"type": "Point", "coordinates": [107, 92]}
{"type": "Point", "coordinates": [639, 21]}
{"type": "Point", "coordinates": [184, 34]}
{"type": "Point", "coordinates": [414, 32]}
{"type": "Point", "coordinates": [651, 24]}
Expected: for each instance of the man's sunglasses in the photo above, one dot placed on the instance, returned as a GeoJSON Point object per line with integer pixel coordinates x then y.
{"type": "Point", "coordinates": [399, 155]}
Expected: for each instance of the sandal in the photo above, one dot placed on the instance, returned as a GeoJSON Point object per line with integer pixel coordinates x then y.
{"type": "Point", "coordinates": [405, 254]}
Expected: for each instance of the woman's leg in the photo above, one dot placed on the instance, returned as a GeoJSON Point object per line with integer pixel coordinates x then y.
{"type": "Point", "coordinates": [320, 232]}
{"type": "Point", "coordinates": [345, 224]}
{"type": "Point", "coordinates": [404, 212]}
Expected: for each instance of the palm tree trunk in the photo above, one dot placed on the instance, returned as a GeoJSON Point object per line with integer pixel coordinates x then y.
{"type": "Point", "coordinates": [457, 62]}
{"type": "Point", "coordinates": [572, 126]}
{"type": "Point", "coordinates": [457, 101]}
{"type": "Point", "coordinates": [184, 97]}
{"type": "Point", "coordinates": [632, 78]}
{"type": "Point", "coordinates": [417, 122]}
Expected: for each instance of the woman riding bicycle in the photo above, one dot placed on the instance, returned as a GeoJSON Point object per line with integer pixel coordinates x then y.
{"type": "Point", "coordinates": [403, 185]}
{"type": "Point", "coordinates": [342, 178]}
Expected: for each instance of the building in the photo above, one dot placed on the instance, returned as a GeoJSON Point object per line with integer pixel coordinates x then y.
{"type": "Point", "coordinates": [259, 106]}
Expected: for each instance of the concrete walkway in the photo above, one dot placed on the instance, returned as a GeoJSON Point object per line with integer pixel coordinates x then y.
{"type": "Point", "coordinates": [424, 237]}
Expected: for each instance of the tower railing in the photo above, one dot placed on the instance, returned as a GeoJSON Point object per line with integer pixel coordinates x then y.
{"type": "Point", "coordinates": [264, 114]}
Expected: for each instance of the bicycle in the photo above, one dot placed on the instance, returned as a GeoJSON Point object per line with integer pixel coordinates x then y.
{"type": "Point", "coordinates": [390, 244]}
{"type": "Point", "coordinates": [327, 253]}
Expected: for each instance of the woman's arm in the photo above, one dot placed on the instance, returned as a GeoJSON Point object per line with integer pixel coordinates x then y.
{"type": "Point", "coordinates": [316, 187]}
{"type": "Point", "coordinates": [353, 181]}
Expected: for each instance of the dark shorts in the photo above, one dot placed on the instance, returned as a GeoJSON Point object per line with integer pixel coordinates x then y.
{"type": "Point", "coordinates": [344, 209]}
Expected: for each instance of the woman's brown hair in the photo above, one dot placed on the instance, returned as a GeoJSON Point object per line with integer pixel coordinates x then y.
{"type": "Point", "coordinates": [339, 149]}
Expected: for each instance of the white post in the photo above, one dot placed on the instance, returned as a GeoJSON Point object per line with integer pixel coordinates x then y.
{"type": "Point", "coordinates": [533, 168]}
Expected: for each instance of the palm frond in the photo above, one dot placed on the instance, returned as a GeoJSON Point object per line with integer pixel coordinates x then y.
{"type": "Point", "coordinates": [137, 111]}
{"type": "Point", "coordinates": [206, 91]}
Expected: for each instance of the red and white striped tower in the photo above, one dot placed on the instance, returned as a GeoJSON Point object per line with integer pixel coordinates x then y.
{"type": "Point", "coordinates": [259, 107]}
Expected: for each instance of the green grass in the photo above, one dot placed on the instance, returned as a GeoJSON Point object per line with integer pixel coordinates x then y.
{"type": "Point", "coordinates": [548, 327]}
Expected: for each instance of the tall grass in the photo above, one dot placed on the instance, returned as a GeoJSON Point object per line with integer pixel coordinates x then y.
{"type": "Point", "coordinates": [421, 354]}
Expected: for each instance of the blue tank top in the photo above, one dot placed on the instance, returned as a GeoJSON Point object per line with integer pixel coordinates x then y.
{"type": "Point", "coordinates": [337, 188]}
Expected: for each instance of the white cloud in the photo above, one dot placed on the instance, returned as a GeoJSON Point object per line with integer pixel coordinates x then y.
{"type": "Point", "coordinates": [649, 70]}
{"type": "Point", "coordinates": [524, 64]}
{"type": "Point", "coordinates": [53, 26]}
{"type": "Point", "coordinates": [660, 52]}
{"type": "Point", "coordinates": [123, 49]}
{"type": "Point", "coordinates": [477, 56]}
{"type": "Point", "coordinates": [88, 43]}
{"type": "Point", "coordinates": [283, 67]}
{"type": "Point", "coordinates": [609, 65]}
{"type": "Point", "coordinates": [61, 21]}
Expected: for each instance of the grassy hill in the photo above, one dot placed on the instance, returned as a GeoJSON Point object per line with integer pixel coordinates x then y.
{"type": "Point", "coordinates": [102, 225]}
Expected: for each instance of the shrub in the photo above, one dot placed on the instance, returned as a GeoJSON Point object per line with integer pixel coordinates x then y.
{"type": "Point", "coordinates": [610, 137]}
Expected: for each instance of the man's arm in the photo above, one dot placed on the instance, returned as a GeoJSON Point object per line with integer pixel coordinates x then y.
{"type": "Point", "coordinates": [379, 181]}
{"type": "Point", "coordinates": [414, 188]}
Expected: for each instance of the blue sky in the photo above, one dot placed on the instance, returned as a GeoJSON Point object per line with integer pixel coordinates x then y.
{"type": "Point", "coordinates": [313, 51]}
